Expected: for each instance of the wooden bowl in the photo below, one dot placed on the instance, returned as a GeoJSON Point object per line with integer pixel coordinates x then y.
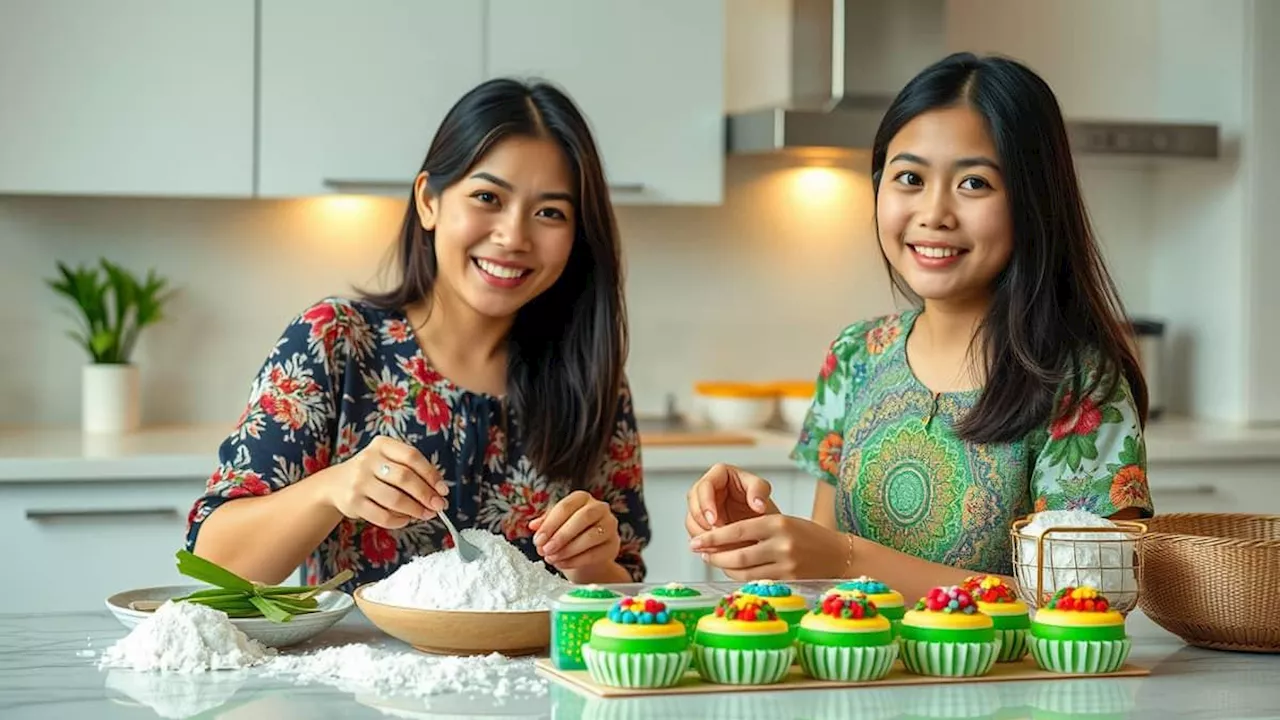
{"type": "Point", "coordinates": [461, 632]}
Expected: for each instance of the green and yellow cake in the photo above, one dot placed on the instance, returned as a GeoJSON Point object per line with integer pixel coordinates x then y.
{"type": "Point", "coordinates": [1078, 632]}
{"type": "Point", "coordinates": [945, 635]}
{"type": "Point", "coordinates": [637, 645]}
{"type": "Point", "coordinates": [790, 606]}
{"type": "Point", "coordinates": [846, 638]}
{"type": "Point", "coordinates": [744, 642]}
{"type": "Point", "coordinates": [572, 615]}
{"type": "Point", "coordinates": [887, 600]}
{"type": "Point", "coordinates": [1011, 616]}
{"type": "Point", "coordinates": [686, 604]}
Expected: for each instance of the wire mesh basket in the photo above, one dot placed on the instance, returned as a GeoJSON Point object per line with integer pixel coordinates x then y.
{"type": "Point", "coordinates": [1106, 558]}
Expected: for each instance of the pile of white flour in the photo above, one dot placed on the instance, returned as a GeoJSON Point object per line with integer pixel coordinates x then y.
{"type": "Point", "coordinates": [360, 668]}
{"type": "Point", "coordinates": [185, 638]}
{"type": "Point", "coordinates": [502, 578]}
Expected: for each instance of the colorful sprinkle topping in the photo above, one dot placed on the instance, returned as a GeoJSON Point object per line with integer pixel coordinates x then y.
{"type": "Point", "coordinates": [593, 592]}
{"type": "Point", "coordinates": [948, 600]}
{"type": "Point", "coordinates": [674, 590]}
{"type": "Point", "coordinates": [1081, 599]}
{"type": "Point", "coordinates": [989, 589]}
{"type": "Point", "coordinates": [746, 608]}
{"type": "Point", "coordinates": [766, 588]}
{"type": "Point", "coordinates": [847, 605]}
{"type": "Point", "coordinates": [866, 585]}
{"type": "Point", "coordinates": [633, 611]}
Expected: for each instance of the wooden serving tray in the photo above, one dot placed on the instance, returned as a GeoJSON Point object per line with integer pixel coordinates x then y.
{"type": "Point", "coordinates": [795, 680]}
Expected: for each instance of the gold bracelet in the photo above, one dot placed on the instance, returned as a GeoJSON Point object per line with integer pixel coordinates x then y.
{"type": "Point", "coordinates": [848, 558]}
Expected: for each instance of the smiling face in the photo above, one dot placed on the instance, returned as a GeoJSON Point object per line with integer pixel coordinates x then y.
{"type": "Point", "coordinates": [505, 229]}
{"type": "Point", "coordinates": [942, 211]}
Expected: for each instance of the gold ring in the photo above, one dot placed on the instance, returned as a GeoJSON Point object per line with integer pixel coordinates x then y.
{"type": "Point", "coordinates": [599, 530]}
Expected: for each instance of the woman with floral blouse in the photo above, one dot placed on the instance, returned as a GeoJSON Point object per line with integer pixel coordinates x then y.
{"type": "Point", "coordinates": [1011, 386]}
{"type": "Point", "coordinates": [488, 384]}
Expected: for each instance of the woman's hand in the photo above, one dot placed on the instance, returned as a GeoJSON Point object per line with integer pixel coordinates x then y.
{"type": "Point", "coordinates": [775, 547]}
{"type": "Point", "coordinates": [726, 495]}
{"type": "Point", "coordinates": [388, 483]}
{"type": "Point", "coordinates": [578, 535]}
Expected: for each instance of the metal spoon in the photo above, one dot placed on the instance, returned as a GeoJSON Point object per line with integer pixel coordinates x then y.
{"type": "Point", "coordinates": [466, 550]}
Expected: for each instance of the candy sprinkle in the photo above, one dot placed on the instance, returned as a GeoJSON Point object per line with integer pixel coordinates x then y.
{"type": "Point", "coordinates": [947, 600]}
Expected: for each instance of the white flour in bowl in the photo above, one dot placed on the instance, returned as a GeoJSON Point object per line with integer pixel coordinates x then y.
{"type": "Point", "coordinates": [502, 578]}
{"type": "Point", "coordinates": [361, 668]}
{"type": "Point", "coordinates": [185, 638]}
{"type": "Point", "coordinates": [1098, 559]}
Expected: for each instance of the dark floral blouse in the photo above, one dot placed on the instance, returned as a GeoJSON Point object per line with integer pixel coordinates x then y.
{"type": "Point", "coordinates": [344, 372]}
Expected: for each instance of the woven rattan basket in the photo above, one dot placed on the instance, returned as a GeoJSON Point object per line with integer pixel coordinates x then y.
{"type": "Point", "coordinates": [1213, 579]}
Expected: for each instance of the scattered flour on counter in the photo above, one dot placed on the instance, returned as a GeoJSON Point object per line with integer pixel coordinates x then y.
{"type": "Point", "coordinates": [1080, 558]}
{"type": "Point", "coordinates": [502, 578]}
{"type": "Point", "coordinates": [184, 638]}
{"type": "Point", "coordinates": [359, 668]}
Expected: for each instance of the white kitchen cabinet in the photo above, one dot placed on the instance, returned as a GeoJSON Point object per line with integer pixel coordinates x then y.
{"type": "Point", "coordinates": [668, 557]}
{"type": "Point", "coordinates": [352, 93]}
{"type": "Point", "coordinates": [649, 76]}
{"type": "Point", "coordinates": [1217, 486]}
{"type": "Point", "coordinates": [139, 97]}
{"type": "Point", "coordinates": [71, 545]}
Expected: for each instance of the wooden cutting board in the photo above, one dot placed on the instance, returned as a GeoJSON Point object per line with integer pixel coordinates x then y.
{"type": "Point", "coordinates": [709, 437]}
{"type": "Point", "coordinates": [795, 680]}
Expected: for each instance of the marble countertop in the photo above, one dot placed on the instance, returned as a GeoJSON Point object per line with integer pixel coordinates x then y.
{"type": "Point", "coordinates": [45, 672]}
{"type": "Point", "coordinates": [166, 453]}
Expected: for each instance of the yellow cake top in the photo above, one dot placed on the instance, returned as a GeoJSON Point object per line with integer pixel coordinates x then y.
{"type": "Point", "coordinates": [638, 618]}
{"type": "Point", "coordinates": [1080, 606]}
{"type": "Point", "coordinates": [741, 614]}
{"type": "Point", "coordinates": [721, 626]}
{"type": "Point", "coordinates": [604, 627]}
{"type": "Point", "coordinates": [846, 611]}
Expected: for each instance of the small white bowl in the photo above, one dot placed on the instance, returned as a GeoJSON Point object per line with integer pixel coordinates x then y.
{"type": "Point", "coordinates": [731, 413]}
{"type": "Point", "coordinates": [795, 410]}
{"type": "Point", "coordinates": [333, 605]}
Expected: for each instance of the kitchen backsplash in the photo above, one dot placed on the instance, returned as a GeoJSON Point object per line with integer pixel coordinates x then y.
{"type": "Point", "coordinates": [754, 289]}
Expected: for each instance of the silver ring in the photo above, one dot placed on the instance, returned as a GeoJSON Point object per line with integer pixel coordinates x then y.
{"type": "Point", "coordinates": [384, 470]}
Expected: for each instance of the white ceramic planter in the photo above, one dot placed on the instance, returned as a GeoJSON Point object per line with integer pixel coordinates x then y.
{"type": "Point", "coordinates": [109, 399]}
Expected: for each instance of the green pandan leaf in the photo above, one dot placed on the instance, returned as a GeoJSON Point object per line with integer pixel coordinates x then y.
{"type": "Point", "coordinates": [194, 566]}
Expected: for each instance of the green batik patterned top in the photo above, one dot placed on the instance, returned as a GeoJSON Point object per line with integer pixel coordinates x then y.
{"type": "Point", "coordinates": [904, 479]}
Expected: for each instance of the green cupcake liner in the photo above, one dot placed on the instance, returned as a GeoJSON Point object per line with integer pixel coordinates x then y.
{"type": "Point", "coordinates": [847, 664]}
{"type": "Point", "coordinates": [1080, 656]}
{"type": "Point", "coordinates": [742, 667]}
{"type": "Point", "coordinates": [636, 670]}
{"type": "Point", "coordinates": [950, 659]}
{"type": "Point", "coordinates": [1013, 645]}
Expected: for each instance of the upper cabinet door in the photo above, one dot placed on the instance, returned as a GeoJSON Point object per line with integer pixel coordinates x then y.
{"type": "Point", "coordinates": [648, 75]}
{"type": "Point", "coordinates": [352, 92]}
{"type": "Point", "coordinates": [144, 97]}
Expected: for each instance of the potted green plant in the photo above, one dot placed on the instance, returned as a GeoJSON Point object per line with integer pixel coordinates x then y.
{"type": "Point", "coordinates": [112, 306]}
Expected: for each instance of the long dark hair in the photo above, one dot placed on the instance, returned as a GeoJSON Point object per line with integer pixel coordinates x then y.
{"type": "Point", "coordinates": [567, 347]}
{"type": "Point", "coordinates": [1055, 301]}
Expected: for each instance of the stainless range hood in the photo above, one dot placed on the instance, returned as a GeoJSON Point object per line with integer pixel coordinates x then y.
{"type": "Point", "coordinates": [848, 58]}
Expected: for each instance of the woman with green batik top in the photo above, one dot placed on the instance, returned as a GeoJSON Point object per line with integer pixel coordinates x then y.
{"type": "Point", "coordinates": [1010, 386]}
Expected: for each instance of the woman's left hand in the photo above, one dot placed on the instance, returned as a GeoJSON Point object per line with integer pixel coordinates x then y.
{"type": "Point", "coordinates": [579, 532]}
{"type": "Point", "coordinates": [775, 547]}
